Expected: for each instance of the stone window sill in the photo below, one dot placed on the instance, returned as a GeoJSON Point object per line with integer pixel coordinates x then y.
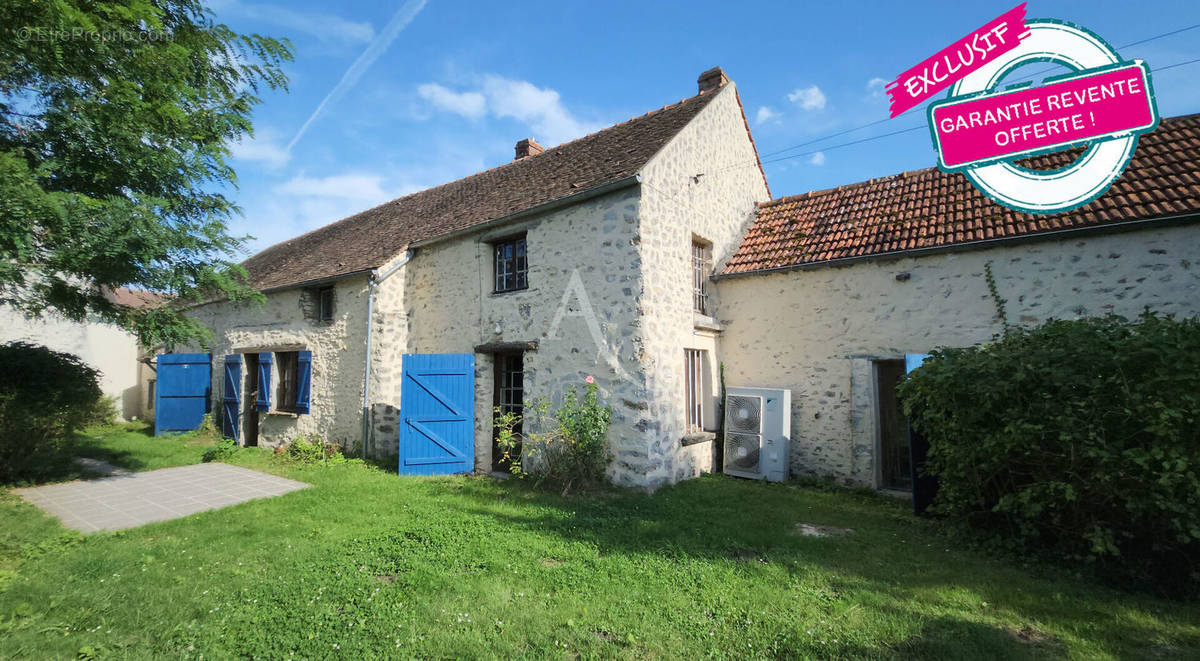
{"type": "Point", "coordinates": [695, 438]}
{"type": "Point", "coordinates": [285, 414]}
{"type": "Point", "coordinates": [509, 292]}
{"type": "Point", "coordinates": [706, 323]}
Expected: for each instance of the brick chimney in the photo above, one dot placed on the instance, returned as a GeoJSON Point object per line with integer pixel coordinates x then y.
{"type": "Point", "coordinates": [712, 79]}
{"type": "Point", "coordinates": [528, 147]}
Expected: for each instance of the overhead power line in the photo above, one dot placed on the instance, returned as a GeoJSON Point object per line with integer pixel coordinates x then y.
{"type": "Point", "coordinates": [921, 107]}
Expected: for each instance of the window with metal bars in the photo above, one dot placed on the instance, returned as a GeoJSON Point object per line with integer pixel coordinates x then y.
{"type": "Point", "coordinates": [287, 363]}
{"type": "Point", "coordinates": [511, 265]}
{"type": "Point", "coordinates": [693, 375]}
{"type": "Point", "coordinates": [701, 269]}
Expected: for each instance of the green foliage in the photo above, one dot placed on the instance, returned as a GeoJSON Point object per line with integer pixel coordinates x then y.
{"type": "Point", "coordinates": [102, 412]}
{"type": "Point", "coordinates": [368, 565]}
{"type": "Point", "coordinates": [223, 450]}
{"type": "Point", "coordinates": [115, 125]}
{"type": "Point", "coordinates": [311, 449]}
{"type": "Point", "coordinates": [566, 447]}
{"type": "Point", "coordinates": [1081, 438]}
{"type": "Point", "coordinates": [207, 431]}
{"type": "Point", "coordinates": [44, 397]}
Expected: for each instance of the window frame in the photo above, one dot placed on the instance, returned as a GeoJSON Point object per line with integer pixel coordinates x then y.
{"type": "Point", "coordinates": [693, 389]}
{"type": "Point", "coordinates": [286, 389]}
{"type": "Point", "coordinates": [510, 272]}
{"type": "Point", "coordinates": [701, 272]}
{"type": "Point", "coordinates": [325, 312]}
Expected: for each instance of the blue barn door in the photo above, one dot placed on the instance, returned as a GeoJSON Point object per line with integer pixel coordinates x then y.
{"type": "Point", "coordinates": [437, 414]}
{"type": "Point", "coordinates": [232, 402]}
{"type": "Point", "coordinates": [181, 397]}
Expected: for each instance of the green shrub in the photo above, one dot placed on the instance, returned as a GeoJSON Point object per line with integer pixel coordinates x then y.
{"type": "Point", "coordinates": [567, 448]}
{"type": "Point", "coordinates": [44, 397]}
{"type": "Point", "coordinates": [224, 449]}
{"type": "Point", "coordinates": [1076, 437]}
{"type": "Point", "coordinates": [102, 412]}
{"type": "Point", "coordinates": [312, 449]}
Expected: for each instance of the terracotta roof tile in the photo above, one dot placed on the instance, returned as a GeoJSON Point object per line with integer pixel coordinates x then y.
{"type": "Point", "coordinates": [368, 239]}
{"type": "Point", "coordinates": [927, 208]}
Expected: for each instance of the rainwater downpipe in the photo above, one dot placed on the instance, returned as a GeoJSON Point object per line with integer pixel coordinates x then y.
{"type": "Point", "coordinates": [373, 281]}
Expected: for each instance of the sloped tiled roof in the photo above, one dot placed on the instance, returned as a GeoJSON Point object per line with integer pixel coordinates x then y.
{"type": "Point", "coordinates": [931, 209]}
{"type": "Point", "coordinates": [134, 298]}
{"type": "Point", "coordinates": [368, 239]}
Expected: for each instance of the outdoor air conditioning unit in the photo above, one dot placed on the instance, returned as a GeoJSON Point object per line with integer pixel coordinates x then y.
{"type": "Point", "coordinates": [758, 428]}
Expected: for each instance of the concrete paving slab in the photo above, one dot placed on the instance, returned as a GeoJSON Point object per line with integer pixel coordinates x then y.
{"type": "Point", "coordinates": [128, 500]}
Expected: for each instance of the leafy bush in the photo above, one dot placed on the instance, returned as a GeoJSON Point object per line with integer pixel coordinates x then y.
{"type": "Point", "coordinates": [312, 449]}
{"type": "Point", "coordinates": [44, 397]}
{"type": "Point", "coordinates": [567, 448]}
{"type": "Point", "coordinates": [1076, 437]}
{"type": "Point", "coordinates": [102, 412]}
{"type": "Point", "coordinates": [224, 449]}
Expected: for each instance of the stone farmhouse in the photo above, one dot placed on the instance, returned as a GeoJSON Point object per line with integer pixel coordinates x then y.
{"type": "Point", "coordinates": [648, 256]}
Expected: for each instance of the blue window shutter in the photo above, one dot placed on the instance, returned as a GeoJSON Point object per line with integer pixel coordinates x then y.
{"type": "Point", "coordinates": [303, 380]}
{"type": "Point", "coordinates": [263, 401]}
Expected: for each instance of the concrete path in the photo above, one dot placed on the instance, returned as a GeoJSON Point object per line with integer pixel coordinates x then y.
{"type": "Point", "coordinates": [135, 499]}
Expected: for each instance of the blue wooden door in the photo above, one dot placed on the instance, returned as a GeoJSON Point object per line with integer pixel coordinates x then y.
{"type": "Point", "coordinates": [437, 414]}
{"type": "Point", "coordinates": [232, 401]}
{"type": "Point", "coordinates": [181, 397]}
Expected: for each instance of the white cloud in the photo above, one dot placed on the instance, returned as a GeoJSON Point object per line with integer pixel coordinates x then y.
{"type": "Point", "coordinates": [265, 147]}
{"type": "Point", "coordinates": [875, 86]}
{"type": "Point", "coordinates": [541, 109]}
{"type": "Point", "coordinates": [765, 114]}
{"type": "Point", "coordinates": [817, 159]}
{"type": "Point", "coordinates": [361, 188]}
{"type": "Point", "coordinates": [326, 27]}
{"type": "Point", "coordinates": [808, 98]}
{"type": "Point", "coordinates": [472, 105]}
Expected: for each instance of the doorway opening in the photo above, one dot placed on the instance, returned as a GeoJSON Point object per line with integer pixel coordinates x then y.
{"type": "Point", "coordinates": [249, 401]}
{"type": "Point", "coordinates": [895, 460]}
{"type": "Point", "coordinates": [509, 397]}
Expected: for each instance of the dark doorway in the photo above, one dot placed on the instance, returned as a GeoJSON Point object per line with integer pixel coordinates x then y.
{"type": "Point", "coordinates": [509, 395]}
{"type": "Point", "coordinates": [250, 401]}
{"type": "Point", "coordinates": [895, 462]}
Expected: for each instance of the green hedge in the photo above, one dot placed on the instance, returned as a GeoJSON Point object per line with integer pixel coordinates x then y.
{"type": "Point", "coordinates": [44, 397]}
{"type": "Point", "coordinates": [1077, 437]}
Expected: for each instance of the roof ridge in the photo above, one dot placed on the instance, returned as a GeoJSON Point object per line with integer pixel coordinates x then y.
{"type": "Point", "coordinates": [900, 175]}
{"type": "Point", "coordinates": [494, 168]}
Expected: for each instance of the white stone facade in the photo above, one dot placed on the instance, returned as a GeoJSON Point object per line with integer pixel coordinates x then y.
{"type": "Point", "coordinates": [286, 323]}
{"type": "Point", "coordinates": [819, 331]}
{"type": "Point", "coordinates": [609, 297]}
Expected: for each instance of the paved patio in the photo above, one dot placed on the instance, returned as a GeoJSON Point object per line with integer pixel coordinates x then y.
{"type": "Point", "coordinates": [134, 499]}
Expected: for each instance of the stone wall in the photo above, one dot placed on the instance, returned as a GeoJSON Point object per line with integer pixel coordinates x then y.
{"type": "Point", "coordinates": [580, 308]}
{"type": "Point", "coordinates": [703, 185]}
{"type": "Point", "coordinates": [286, 323]}
{"type": "Point", "coordinates": [819, 331]}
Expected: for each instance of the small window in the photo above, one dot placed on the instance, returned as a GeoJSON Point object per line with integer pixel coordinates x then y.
{"type": "Point", "coordinates": [693, 374]}
{"type": "Point", "coordinates": [701, 270]}
{"type": "Point", "coordinates": [325, 304]}
{"type": "Point", "coordinates": [150, 393]}
{"type": "Point", "coordinates": [286, 363]}
{"type": "Point", "coordinates": [511, 265]}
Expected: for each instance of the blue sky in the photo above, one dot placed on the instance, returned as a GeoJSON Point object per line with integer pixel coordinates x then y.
{"type": "Point", "coordinates": [416, 94]}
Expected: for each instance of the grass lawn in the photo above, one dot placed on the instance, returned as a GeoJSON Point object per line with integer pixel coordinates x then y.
{"type": "Point", "coordinates": [370, 565]}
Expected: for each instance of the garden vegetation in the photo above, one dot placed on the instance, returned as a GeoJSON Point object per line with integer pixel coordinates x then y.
{"type": "Point", "coordinates": [1078, 439]}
